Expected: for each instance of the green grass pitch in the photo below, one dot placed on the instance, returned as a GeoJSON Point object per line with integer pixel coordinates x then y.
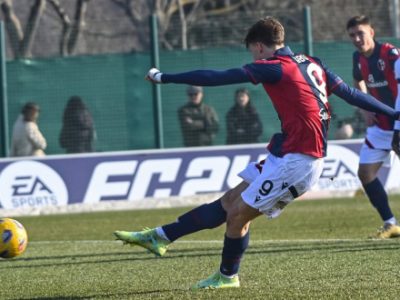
{"type": "Point", "coordinates": [314, 250]}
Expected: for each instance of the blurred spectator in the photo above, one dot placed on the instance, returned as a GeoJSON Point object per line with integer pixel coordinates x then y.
{"type": "Point", "coordinates": [344, 131]}
{"type": "Point", "coordinates": [27, 140]}
{"type": "Point", "coordinates": [199, 122]}
{"type": "Point", "coordinates": [242, 121]}
{"type": "Point", "coordinates": [77, 133]}
{"type": "Point", "coordinates": [358, 122]}
{"type": "Point", "coordinates": [352, 127]}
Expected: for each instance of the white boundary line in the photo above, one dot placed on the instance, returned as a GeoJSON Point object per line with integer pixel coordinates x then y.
{"type": "Point", "coordinates": [298, 241]}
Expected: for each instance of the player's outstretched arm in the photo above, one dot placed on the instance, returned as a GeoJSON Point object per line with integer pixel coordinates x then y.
{"type": "Point", "coordinates": [200, 77]}
{"type": "Point", "coordinates": [364, 101]}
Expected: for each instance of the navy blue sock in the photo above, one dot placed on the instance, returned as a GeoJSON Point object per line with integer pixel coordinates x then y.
{"type": "Point", "coordinates": [232, 254]}
{"type": "Point", "coordinates": [206, 216]}
{"type": "Point", "coordinates": [379, 199]}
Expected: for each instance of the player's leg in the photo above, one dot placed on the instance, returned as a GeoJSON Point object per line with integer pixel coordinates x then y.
{"type": "Point", "coordinates": [371, 161]}
{"type": "Point", "coordinates": [236, 241]}
{"type": "Point", "coordinates": [281, 181]}
{"type": "Point", "coordinates": [206, 216]}
{"type": "Point", "coordinates": [367, 173]}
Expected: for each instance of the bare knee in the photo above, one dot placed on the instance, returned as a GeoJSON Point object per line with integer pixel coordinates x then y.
{"type": "Point", "coordinates": [229, 199]}
{"type": "Point", "coordinates": [238, 218]}
{"type": "Point", "coordinates": [366, 174]}
{"type": "Point", "coordinates": [237, 223]}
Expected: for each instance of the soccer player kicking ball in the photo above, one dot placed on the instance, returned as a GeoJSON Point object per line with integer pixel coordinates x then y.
{"type": "Point", "coordinates": [298, 86]}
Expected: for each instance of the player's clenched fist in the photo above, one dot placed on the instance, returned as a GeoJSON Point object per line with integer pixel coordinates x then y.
{"type": "Point", "coordinates": [154, 75]}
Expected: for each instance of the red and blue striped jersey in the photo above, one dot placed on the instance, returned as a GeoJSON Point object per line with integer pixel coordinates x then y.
{"type": "Point", "coordinates": [299, 96]}
{"type": "Point", "coordinates": [378, 73]}
{"type": "Point", "coordinates": [298, 86]}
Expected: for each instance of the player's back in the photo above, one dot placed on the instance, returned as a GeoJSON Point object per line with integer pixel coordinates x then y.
{"type": "Point", "coordinates": [300, 99]}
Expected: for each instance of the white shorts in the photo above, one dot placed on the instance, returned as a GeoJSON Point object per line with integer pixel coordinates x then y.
{"type": "Point", "coordinates": [377, 146]}
{"type": "Point", "coordinates": [370, 155]}
{"type": "Point", "coordinates": [379, 138]}
{"type": "Point", "coordinates": [282, 179]}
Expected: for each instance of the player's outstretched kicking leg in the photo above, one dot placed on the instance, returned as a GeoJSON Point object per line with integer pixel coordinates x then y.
{"type": "Point", "coordinates": [147, 238]}
{"type": "Point", "coordinates": [206, 216]}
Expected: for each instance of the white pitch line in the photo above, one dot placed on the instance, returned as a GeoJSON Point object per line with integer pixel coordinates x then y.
{"type": "Point", "coordinates": [217, 241]}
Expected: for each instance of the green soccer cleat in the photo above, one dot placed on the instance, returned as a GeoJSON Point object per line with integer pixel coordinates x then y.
{"type": "Point", "coordinates": [148, 238]}
{"type": "Point", "coordinates": [217, 281]}
{"type": "Point", "coordinates": [388, 231]}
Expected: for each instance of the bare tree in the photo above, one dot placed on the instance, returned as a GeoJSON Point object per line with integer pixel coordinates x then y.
{"type": "Point", "coordinates": [66, 26]}
{"type": "Point", "coordinates": [71, 30]}
{"type": "Point", "coordinates": [115, 26]}
{"type": "Point", "coordinates": [137, 12]}
{"type": "Point", "coordinates": [168, 13]}
{"type": "Point", "coordinates": [184, 24]}
{"type": "Point", "coordinates": [21, 40]}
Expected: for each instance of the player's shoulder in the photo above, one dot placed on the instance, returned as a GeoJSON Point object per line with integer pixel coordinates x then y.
{"type": "Point", "coordinates": [318, 61]}
{"type": "Point", "coordinates": [387, 45]}
{"type": "Point", "coordinates": [268, 61]}
{"type": "Point", "coordinates": [389, 50]}
{"type": "Point", "coordinates": [315, 59]}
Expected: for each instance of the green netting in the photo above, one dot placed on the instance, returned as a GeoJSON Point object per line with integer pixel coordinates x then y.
{"type": "Point", "coordinates": [121, 100]}
{"type": "Point", "coordinates": [111, 85]}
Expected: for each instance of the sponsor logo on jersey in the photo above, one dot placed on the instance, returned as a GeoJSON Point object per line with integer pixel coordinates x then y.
{"type": "Point", "coordinates": [324, 115]}
{"type": "Point", "coordinates": [377, 84]}
{"type": "Point", "coordinates": [371, 78]}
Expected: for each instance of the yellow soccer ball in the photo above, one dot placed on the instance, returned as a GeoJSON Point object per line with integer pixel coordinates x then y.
{"type": "Point", "coordinates": [13, 238]}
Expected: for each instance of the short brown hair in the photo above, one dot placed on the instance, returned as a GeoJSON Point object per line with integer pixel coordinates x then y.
{"type": "Point", "coordinates": [358, 20]}
{"type": "Point", "coordinates": [268, 31]}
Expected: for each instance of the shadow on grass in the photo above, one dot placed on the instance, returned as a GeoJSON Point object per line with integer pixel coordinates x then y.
{"type": "Point", "coordinates": [196, 252]}
{"type": "Point", "coordinates": [131, 295]}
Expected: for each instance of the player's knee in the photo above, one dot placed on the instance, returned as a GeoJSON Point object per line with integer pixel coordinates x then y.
{"type": "Point", "coordinates": [365, 175]}
{"type": "Point", "coordinates": [236, 225]}
{"type": "Point", "coordinates": [231, 197]}
{"type": "Point", "coordinates": [235, 218]}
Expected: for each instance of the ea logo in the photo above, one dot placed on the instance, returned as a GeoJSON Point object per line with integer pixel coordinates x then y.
{"type": "Point", "coordinates": [31, 184]}
{"type": "Point", "coordinates": [340, 162]}
{"type": "Point", "coordinates": [340, 169]}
